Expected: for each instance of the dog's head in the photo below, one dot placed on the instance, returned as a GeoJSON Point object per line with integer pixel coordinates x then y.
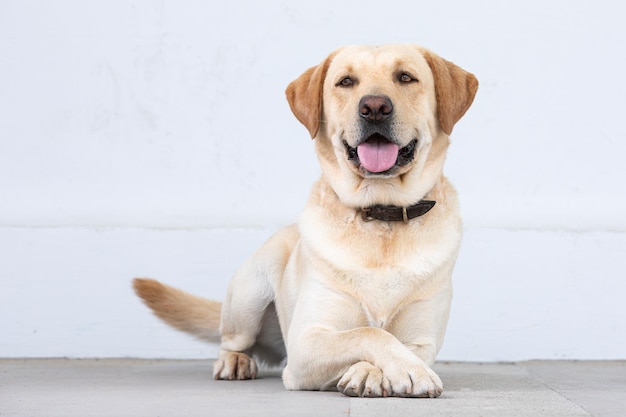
{"type": "Point", "coordinates": [381, 117]}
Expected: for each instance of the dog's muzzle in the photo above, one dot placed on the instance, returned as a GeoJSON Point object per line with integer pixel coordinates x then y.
{"type": "Point", "coordinates": [379, 155]}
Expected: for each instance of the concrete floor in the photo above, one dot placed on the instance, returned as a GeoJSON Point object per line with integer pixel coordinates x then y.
{"type": "Point", "coordinates": [57, 387]}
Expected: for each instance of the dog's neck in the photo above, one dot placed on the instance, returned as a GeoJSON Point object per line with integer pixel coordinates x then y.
{"type": "Point", "coordinates": [327, 197]}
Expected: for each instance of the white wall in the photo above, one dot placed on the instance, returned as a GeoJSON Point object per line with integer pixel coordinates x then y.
{"type": "Point", "coordinates": [145, 138]}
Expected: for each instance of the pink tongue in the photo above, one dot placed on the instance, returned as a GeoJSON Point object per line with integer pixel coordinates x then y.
{"type": "Point", "coordinates": [377, 156]}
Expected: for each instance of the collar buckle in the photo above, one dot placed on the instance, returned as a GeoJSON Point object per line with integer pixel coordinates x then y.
{"type": "Point", "coordinates": [365, 214]}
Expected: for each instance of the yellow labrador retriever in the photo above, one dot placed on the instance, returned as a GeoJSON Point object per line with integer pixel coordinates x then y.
{"type": "Point", "coordinates": [356, 296]}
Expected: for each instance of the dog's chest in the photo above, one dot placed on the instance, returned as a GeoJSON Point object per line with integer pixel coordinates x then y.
{"type": "Point", "coordinates": [383, 293]}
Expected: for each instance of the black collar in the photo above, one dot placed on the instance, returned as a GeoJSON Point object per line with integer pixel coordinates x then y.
{"type": "Point", "coordinates": [395, 213]}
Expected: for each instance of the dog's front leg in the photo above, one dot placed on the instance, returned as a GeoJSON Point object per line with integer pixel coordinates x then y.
{"type": "Point", "coordinates": [370, 360]}
{"type": "Point", "coordinates": [421, 326]}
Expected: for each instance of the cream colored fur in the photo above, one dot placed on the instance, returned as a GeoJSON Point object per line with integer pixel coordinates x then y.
{"type": "Point", "coordinates": [340, 302]}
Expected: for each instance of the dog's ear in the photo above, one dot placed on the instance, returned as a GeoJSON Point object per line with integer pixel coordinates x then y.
{"type": "Point", "coordinates": [455, 89]}
{"type": "Point", "coordinates": [304, 95]}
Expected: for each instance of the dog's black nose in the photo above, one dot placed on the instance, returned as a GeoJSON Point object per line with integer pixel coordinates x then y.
{"type": "Point", "coordinates": [375, 109]}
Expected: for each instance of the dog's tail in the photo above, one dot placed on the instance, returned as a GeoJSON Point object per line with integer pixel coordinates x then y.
{"type": "Point", "coordinates": [186, 312]}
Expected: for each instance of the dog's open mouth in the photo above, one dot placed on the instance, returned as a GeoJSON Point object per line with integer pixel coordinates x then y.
{"type": "Point", "coordinates": [377, 154]}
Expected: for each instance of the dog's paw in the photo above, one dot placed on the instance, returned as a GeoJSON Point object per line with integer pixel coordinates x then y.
{"type": "Point", "coordinates": [414, 379]}
{"type": "Point", "coordinates": [234, 365]}
{"type": "Point", "coordinates": [364, 380]}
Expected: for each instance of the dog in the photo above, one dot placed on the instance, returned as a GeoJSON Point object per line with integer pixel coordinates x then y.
{"type": "Point", "coordinates": [356, 296]}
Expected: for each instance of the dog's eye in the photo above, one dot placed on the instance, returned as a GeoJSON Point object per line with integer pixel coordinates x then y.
{"type": "Point", "coordinates": [406, 78]}
{"type": "Point", "coordinates": [345, 82]}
